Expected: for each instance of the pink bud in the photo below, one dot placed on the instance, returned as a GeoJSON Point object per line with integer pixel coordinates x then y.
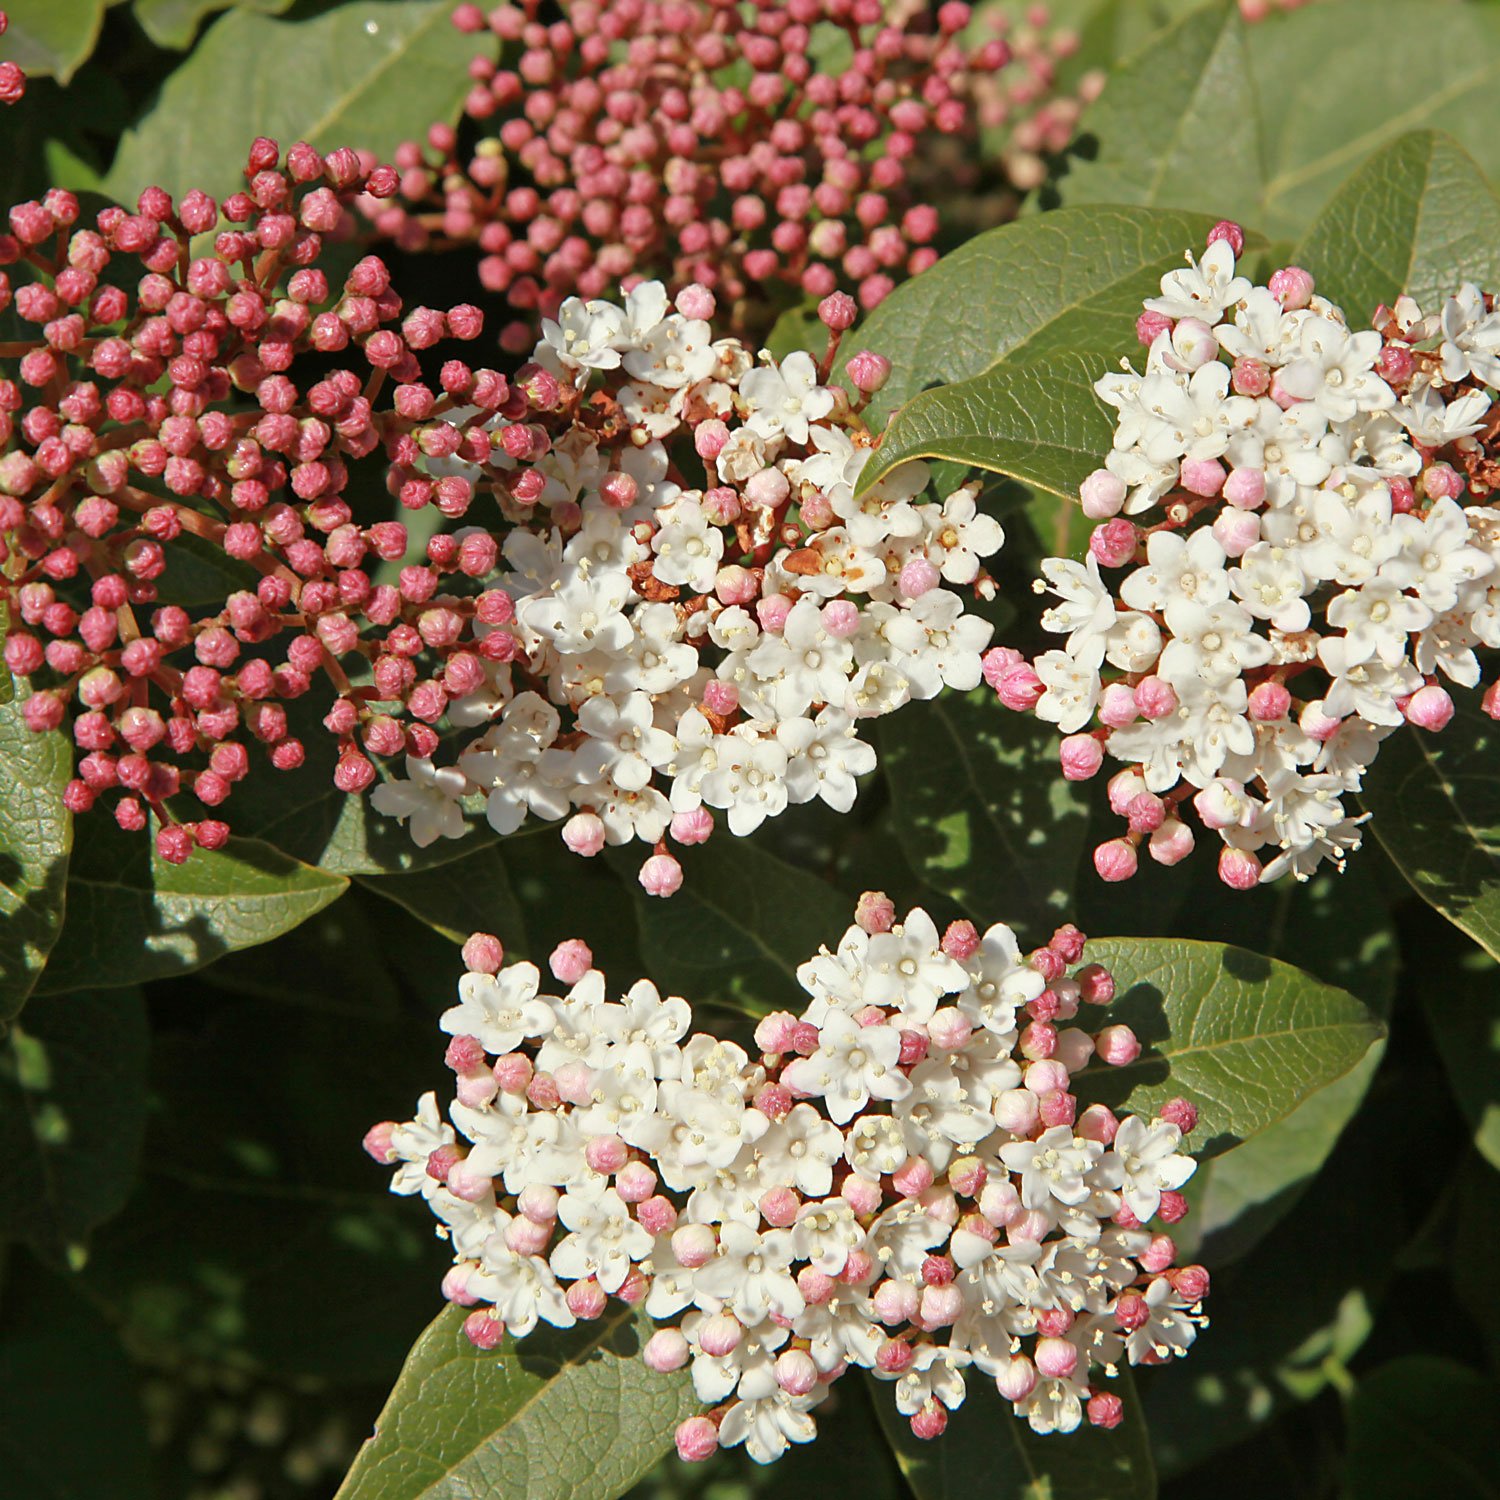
{"type": "Point", "coordinates": [1171, 843]}
{"type": "Point", "coordinates": [1105, 1410]}
{"type": "Point", "coordinates": [1081, 756]}
{"type": "Point", "coordinates": [1117, 1046]}
{"type": "Point", "coordinates": [1239, 869]}
{"type": "Point", "coordinates": [862, 1195]}
{"type": "Point", "coordinates": [1102, 495]}
{"type": "Point", "coordinates": [1114, 542]}
{"type": "Point", "coordinates": [635, 1182]}
{"type": "Point", "coordinates": [377, 1142]}
{"type": "Point", "coordinates": [720, 1335]}
{"type": "Point", "coordinates": [606, 1154]}
{"type": "Point", "coordinates": [868, 371]}
{"type": "Point", "coordinates": [1292, 287]}
{"type": "Point", "coordinates": [1097, 1123]}
{"type": "Point", "coordinates": [912, 1178]}
{"type": "Point", "coordinates": [586, 1300]}
{"type": "Point", "coordinates": [918, 577]}
{"type": "Point", "coordinates": [1155, 698]}
{"type": "Point", "coordinates": [1269, 701]}
{"type": "Point", "coordinates": [1020, 688]}
{"type": "Point", "coordinates": [961, 941]}
{"type": "Point", "coordinates": [583, 833]}
{"type": "Point", "coordinates": [1117, 706]}
{"type": "Point", "coordinates": [484, 1330]}
{"type": "Point", "coordinates": [1115, 861]}
{"type": "Point", "coordinates": [1017, 1111]}
{"type": "Point", "coordinates": [1149, 326]}
{"type": "Point", "coordinates": [661, 875]}
{"type": "Point", "coordinates": [1017, 1380]}
{"type": "Point", "coordinates": [796, 1373]}
{"type": "Point", "coordinates": [1230, 232]}
{"type": "Point", "coordinates": [895, 1302]}
{"type": "Point", "coordinates": [1056, 1358]}
{"type": "Point", "coordinates": [1429, 708]}
{"type": "Point", "coordinates": [571, 960]}
{"type": "Point", "coordinates": [665, 1350]}
{"type": "Point", "coordinates": [1202, 476]}
{"type": "Point", "coordinates": [875, 912]}
{"type": "Point", "coordinates": [941, 1306]}
{"type": "Point", "coordinates": [483, 954]}
{"type": "Point", "coordinates": [696, 1439]}
{"type": "Point", "coordinates": [894, 1356]}
{"type": "Point", "coordinates": [657, 1215]}
{"type": "Point", "coordinates": [1236, 531]}
{"type": "Point", "coordinates": [1246, 488]}
{"type": "Point", "coordinates": [694, 1245]}
{"type": "Point", "coordinates": [778, 1207]}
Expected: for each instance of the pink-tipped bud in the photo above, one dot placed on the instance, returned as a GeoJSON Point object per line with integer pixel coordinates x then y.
{"type": "Point", "coordinates": [484, 1330]}
{"type": "Point", "coordinates": [796, 1373]}
{"type": "Point", "coordinates": [868, 371]}
{"type": "Point", "coordinates": [661, 875]}
{"type": "Point", "coordinates": [583, 833]}
{"type": "Point", "coordinates": [377, 1142]}
{"type": "Point", "coordinates": [1203, 477]}
{"type": "Point", "coordinates": [1117, 1046]}
{"type": "Point", "coordinates": [778, 1207]}
{"type": "Point", "coordinates": [1105, 1410]}
{"type": "Point", "coordinates": [1017, 1380]}
{"type": "Point", "coordinates": [1269, 701]}
{"type": "Point", "coordinates": [875, 912]}
{"type": "Point", "coordinates": [696, 1439]}
{"type": "Point", "coordinates": [1115, 860]}
{"type": "Point", "coordinates": [1231, 233]}
{"type": "Point", "coordinates": [1081, 756]}
{"type": "Point", "coordinates": [1292, 287]}
{"type": "Point", "coordinates": [1114, 542]}
{"type": "Point", "coordinates": [571, 960]}
{"type": "Point", "coordinates": [1102, 495]}
{"type": "Point", "coordinates": [694, 1245]}
{"type": "Point", "coordinates": [666, 1350]}
{"type": "Point", "coordinates": [1181, 1113]}
{"type": "Point", "coordinates": [1155, 698]}
{"type": "Point", "coordinates": [586, 1300]}
{"type": "Point", "coordinates": [483, 954]}
{"type": "Point", "coordinates": [1097, 1123]}
{"type": "Point", "coordinates": [720, 1335]}
{"type": "Point", "coordinates": [1429, 708]}
{"type": "Point", "coordinates": [1239, 869]}
{"type": "Point", "coordinates": [1056, 1358]}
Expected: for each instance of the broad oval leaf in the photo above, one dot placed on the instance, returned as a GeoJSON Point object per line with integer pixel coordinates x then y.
{"type": "Point", "coordinates": [1262, 123]}
{"type": "Point", "coordinates": [337, 75]}
{"type": "Point", "coordinates": [465, 895]}
{"type": "Point", "coordinates": [52, 37]}
{"type": "Point", "coordinates": [36, 835]}
{"type": "Point", "coordinates": [1068, 281]}
{"type": "Point", "coordinates": [68, 1163]}
{"type": "Point", "coordinates": [1243, 1037]}
{"type": "Point", "coordinates": [555, 1416]}
{"type": "Point", "coordinates": [987, 1450]}
{"type": "Point", "coordinates": [1417, 217]}
{"type": "Point", "coordinates": [1038, 421]}
{"type": "Point", "coordinates": [982, 812]}
{"type": "Point", "coordinates": [1434, 801]}
{"type": "Point", "coordinates": [174, 23]}
{"type": "Point", "coordinates": [133, 917]}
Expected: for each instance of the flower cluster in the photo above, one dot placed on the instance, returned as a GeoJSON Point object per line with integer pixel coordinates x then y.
{"type": "Point", "coordinates": [1297, 568]}
{"type": "Point", "coordinates": [214, 412]}
{"type": "Point", "coordinates": [743, 148]}
{"type": "Point", "coordinates": [898, 1179]}
{"type": "Point", "coordinates": [691, 609]}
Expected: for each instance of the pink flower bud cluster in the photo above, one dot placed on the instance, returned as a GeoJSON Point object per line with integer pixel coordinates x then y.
{"type": "Point", "coordinates": [694, 141]}
{"type": "Point", "coordinates": [688, 610]}
{"type": "Point", "coordinates": [1284, 569]}
{"type": "Point", "coordinates": [174, 388]}
{"type": "Point", "coordinates": [901, 1179]}
{"type": "Point", "coordinates": [12, 79]}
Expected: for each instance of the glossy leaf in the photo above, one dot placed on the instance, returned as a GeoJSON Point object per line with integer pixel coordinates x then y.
{"type": "Point", "coordinates": [987, 1450]}
{"type": "Point", "coordinates": [557, 1416]}
{"type": "Point", "coordinates": [1434, 801]}
{"type": "Point", "coordinates": [1417, 217]}
{"type": "Point", "coordinates": [52, 37]}
{"type": "Point", "coordinates": [1421, 1425]}
{"type": "Point", "coordinates": [36, 835]}
{"type": "Point", "coordinates": [1038, 421]}
{"type": "Point", "coordinates": [1244, 1038]}
{"type": "Point", "coordinates": [984, 815]}
{"type": "Point", "coordinates": [1064, 282]}
{"type": "Point", "coordinates": [1262, 123]}
{"type": "Point", "coordinates": [132, 916]}
{"type": "Point", "coordinates": [739, 927]}
{"type": "Point", "coordinates": [336, 75]}
{"type": "Point", "coordinates": [67, 1157]}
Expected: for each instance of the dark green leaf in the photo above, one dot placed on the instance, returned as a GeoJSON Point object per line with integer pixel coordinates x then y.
{"type": "Point", "coordinates": [368, 74]}
{"type": "Point", "coordinates": [1435, 806]}
{"type": "Point", "coordinates": [36, 834]}
{"type": "Point", "coordinates": [1421, 1425]}
{"type": "Point", "coordinates": [471, 894]}
{"type": "Point", "coordinates": [1244, 1038]}
{"type": "Point", "coordinates": [72, 1115]}
{"type": "Point", "coordinates": [71, 1424]}
{"type": "Point", "coordinates": [988, 1450]}
{"type": "Point", "coordinates": [174, 23]}
{"type": "Point", "coordinates": [573, 1416]}
{"type": "Point", "coordinates": [1418, 217]}
{"type": "Point", "coordinates": [984, 814]}
{"type": "Point", "coordinates": [1262, 123]}
{"type": "Point", "coordinates": [1461, 994]}
{"type": "Point", "coordinates": [1065, 282]}
{"type": "Point", "coordinates": [132, 916]}
{"type": "Point", "coordinates": [739, 927]}
{"type": "Point", "coordinates": [52, 36]}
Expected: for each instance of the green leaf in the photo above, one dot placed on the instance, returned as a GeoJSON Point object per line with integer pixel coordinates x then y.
{"type": "Point", "coordinates": [572, 1416]}
{"type": "Point", "coordinates": [58, 1362]}
{"type": "Point", "coordinates": [368, 74]}
{"type": "Point", "coordinates": [174, 23]}
{"type": "Point", "coordinates": [1461, 995]}
{"type": "Point", "coordinates": [470, 894]}
{"type": "Point", "coordinates": [36, 835]}
{"type": "Point", "coordinates": [1037, 421]}
{"type": "Point", "coordinates": [739, 927]}
{"type": "Point", "coordinates": [72, 1115]}
{"type": "Point", "coordinates": [1418, 217]}
{"type": "Point", "coordinates": [133, 917]}
{"type": "Point", "coordinates": [1421, 1425]}
{"type": "Point", "coordinates": [1434, 801]}
{"type": "Point", "coordinates": [1064, 282]}
{"type": "Point", "coordinates": [987, 1450]}
{"type": "Point", "coordinates": [1243, 1037]}
{"type": "Point", "coordinates": [1262, 123]}
{"type": "Point", "coordinates": [52, 36]}
{"type": "Point", "coordinates": [983, 813]}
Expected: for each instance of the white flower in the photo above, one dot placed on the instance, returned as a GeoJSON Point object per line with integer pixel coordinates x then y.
{"type": "Point", "coordinates": [604, 1242]}
{"type": "Point", "coordinates": [1055, 1165]}
{"type": "Point", "coordinates": [751, 1274]}
{"type": "Point", "coordinates": [427, 802]}
{"type": "Point", "coordinates": [824, 756]}
{"type": "Point", "coordinates": [500, 1010]}
{"type": "Point", "coordinates": [1142, 1163]}
{"type": "Point", "coordinates": [1205, 290]}
{"type": "Point", "coordinates": [852, 1064]}
{"type": "Point", "coordinates": [585, 335]}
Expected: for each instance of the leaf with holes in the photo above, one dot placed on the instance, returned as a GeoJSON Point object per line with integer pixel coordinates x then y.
{"type": "Point", "coordinates": [987, 1450]}
{"type": "Point", "coordinates": [72, 1115]}
{"type": "Point", "coordinates": [1243, 1037]}
{"type": "Point", "coordinates": [1065, 282]}
{"type": "Point", "coordinates": [368, 74]}
{"type": "Point", "coordinates": [1417, 217]}
{"type": "Point", "coordinates": [36, 835]}
{"type": "Point", "coordinates": [133, 917]}
{"type": "Point", "coordinates": [555, 1416]}
{"type": "Point", "coordinates": [1434, 801]}
{"type": "Point", "coordinates": [983, 814]}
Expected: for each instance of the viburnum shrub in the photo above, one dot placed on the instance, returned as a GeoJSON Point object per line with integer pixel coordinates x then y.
{"type": "Point", "coordinates": [1296, 554]}
{"type": "Point", "coordinates": [687, 608]}
{"type": "Point", "coordinates": [754, 150]}
{"type": "Point", "coordinates": [223, 390]}
{"type": "Point", "coordinates": [900, 1179]}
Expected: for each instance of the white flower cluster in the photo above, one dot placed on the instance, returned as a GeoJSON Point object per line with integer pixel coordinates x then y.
{"type": "Point", "coordinates": [685, 644]}
{"type": "Point", "coordinates": [1294, 489]}
{"type": "Point", "coordinates": [898, 1179]}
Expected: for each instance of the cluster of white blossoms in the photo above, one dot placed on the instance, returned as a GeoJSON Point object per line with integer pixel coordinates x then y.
{"type": "Point", "coordinates": [898, 1179]}
{"type": "Point", "coordinates": [696, 611]}
{"type": "Point", "coordinates": [1297, 571]}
